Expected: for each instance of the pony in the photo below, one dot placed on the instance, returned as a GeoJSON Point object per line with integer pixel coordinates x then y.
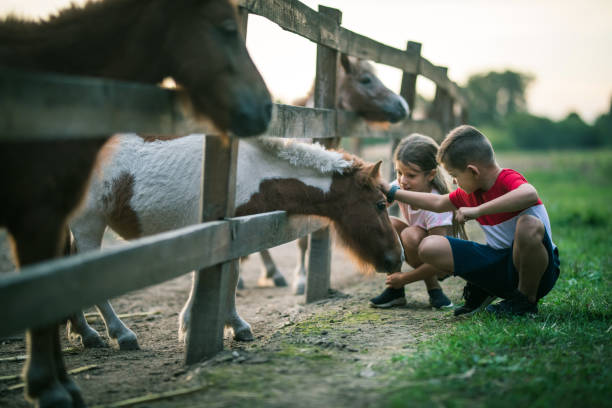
{"type": "Point", "coordinates": [147, 187]}
{"type": "Point", "coordinates": [42, 182]}
{"type": "Point", "coordinates": [360, 91]}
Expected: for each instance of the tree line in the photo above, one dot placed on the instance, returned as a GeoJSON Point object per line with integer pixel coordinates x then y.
{"type": "Point", "coordinates": [498, 105]}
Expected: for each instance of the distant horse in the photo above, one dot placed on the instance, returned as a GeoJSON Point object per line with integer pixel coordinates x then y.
{"type": "Point", "coordinates": [359, 91]}
{"type": "Point", "coordinates": [195, 42]}
{"type": "Point", "coordinates": [160, 191]}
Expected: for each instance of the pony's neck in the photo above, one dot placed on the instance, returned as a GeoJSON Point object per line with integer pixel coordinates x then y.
{"type": "Point", "coordinates": [92, 40]}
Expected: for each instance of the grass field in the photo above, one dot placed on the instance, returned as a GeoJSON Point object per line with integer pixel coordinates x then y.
{"type": "Point", "coordinates": [561, 357]}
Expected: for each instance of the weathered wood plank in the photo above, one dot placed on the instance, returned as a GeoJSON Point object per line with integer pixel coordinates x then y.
{"type": "Point", "coordinates": [79, 281]}
{"type": "Point", "coordinates": [300, 122]}
{"type": "Point", "coordinates": [208, 310]}
{"type": "Point", "coordinates": [51, 106]}
{"type": "Point", "coordinates": [319, 254]}
{"type": "Point", "coordinates": [298, 18]}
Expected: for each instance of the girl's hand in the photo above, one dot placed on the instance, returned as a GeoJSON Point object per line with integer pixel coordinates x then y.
{"type": "Point", "coordinates": [395, 280]}
{"type": "Point", "coordinates": [464, 214]}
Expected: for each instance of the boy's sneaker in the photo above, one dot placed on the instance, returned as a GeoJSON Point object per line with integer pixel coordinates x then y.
{"type": "Point", "coordinates": [476, 299]}
{"type": "Point", "coordinates": [438, 299]}
{"type": "Point", "coordinates": [517, 305]}
{"type": "Point", "coordinates": [388, 298]}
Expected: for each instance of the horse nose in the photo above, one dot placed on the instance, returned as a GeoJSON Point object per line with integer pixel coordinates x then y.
{"type": "Point", "coordinates": [392, 262]}
{"type": "Point", "coordinates": [399, 110]}
{"type": "Point", "coordinates": [251, 117]}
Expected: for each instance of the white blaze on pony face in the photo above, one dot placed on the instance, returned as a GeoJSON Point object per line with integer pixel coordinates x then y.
{"type": "Point", "coordinates": [274, 158]}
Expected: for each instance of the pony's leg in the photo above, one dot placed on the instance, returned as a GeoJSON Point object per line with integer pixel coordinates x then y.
{"type": "Point", "coordinates": [126, 338]}
{"type": "Point", "coordinates": [242, 330]}
{"type": "Point", "coordinates": [269, 271]}
{"type": "Point", "coordinates": [79, 330]}
{"type": "Point", "coordinates": [185, 314]}
{"type": "Point", "coordinates": [299, 283]}
{"type": "Point", "coordinates": [87, 230]}
{"type": "Point", "coordinates": [43, 387]}
{"type": "Point", "coordinates": [47, 383]}
{"type": "Point", "coordinates": [62, 374]}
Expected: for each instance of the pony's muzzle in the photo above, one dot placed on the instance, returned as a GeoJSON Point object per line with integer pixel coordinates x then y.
{"type": "Point", "coordinates": [397, 110]}
{"type": "Point", "coordinates": [251, 117]}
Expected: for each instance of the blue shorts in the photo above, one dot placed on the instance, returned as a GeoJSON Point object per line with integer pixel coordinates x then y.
{"type": "Point", "coordinates": [493, 269]}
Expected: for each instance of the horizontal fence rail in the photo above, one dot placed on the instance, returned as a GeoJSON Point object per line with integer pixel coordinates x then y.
{"type": "Point", "coordinates": [296, 17]}
{"type": "Point", "coordinates": [82, 280]}
{"type": "Point", "coordinates": [70, 107]}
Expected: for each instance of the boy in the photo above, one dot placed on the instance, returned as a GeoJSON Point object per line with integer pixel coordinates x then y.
{"type": "Point", "coordinates": [520, 263]}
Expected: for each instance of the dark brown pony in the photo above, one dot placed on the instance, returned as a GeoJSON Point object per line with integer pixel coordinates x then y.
{"type": "Point", "coordinates": [196, 42]}
{"type": "Point", "coordinates": [359, 91]}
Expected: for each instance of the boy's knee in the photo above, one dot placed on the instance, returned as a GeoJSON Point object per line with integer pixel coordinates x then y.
{"type": "Point", "coordinates": [432, 247]}
{"type": "Point", "coordinates": [529, 229]}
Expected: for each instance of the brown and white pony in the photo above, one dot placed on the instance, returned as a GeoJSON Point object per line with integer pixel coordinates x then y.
{"type": "Point", "coordinates": [146, 188]}
{"type": "Point", "coordinates": [196, 42]}
{"type": "Point", "coordinates": [359, 91]}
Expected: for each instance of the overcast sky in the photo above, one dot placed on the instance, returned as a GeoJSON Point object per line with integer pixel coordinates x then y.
{"type": "Point", "coordinates": [566, 45]}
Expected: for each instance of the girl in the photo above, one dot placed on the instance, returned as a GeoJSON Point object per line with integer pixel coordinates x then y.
{"type": "Point", "coordinates": [417, 170]}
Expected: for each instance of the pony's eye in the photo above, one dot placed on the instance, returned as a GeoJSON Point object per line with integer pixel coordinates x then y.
{"type": "Point", "coordinates": [365, 80]}
{"type": "Point", "coordinates": [381, 205]}
{"type": "Point", "coordinates": [229, 27]}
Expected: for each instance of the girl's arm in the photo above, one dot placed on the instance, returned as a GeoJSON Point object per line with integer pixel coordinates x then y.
{"type": "Point", "coordinates": [427, 201]}
{"type": "Point", "coordinates": [524, 196]}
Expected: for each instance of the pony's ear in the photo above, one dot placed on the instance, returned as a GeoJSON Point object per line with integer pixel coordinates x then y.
{"type": "Point", "coordinates": [346, 63]}
{"type": "Point", "coordinates": [375, 170]}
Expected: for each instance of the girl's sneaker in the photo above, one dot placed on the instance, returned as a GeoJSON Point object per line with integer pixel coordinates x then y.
{"type": "Point", "coordinates": [438, 299]}
{"type": "Point", "coordinates": [388, 298]}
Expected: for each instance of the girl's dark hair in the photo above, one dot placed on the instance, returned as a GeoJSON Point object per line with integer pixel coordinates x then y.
{"type": "Point", "coordinates": [422, 150]}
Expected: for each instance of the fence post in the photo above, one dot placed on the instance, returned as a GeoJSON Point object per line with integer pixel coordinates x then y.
{"type": "Point", "coordinates": [442, 107]}
{"type": "Point", "coordinates": [209, 308]}
{"type": "Point", "coordinates": [319, 254]}
{"type": "Point", "coordinates": [408, 92]}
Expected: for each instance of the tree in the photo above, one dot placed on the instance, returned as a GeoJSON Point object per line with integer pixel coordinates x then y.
{"type": "Point", "coordinates": [494, 96]}
{"type": "Point", "coordinates": [603, 128]}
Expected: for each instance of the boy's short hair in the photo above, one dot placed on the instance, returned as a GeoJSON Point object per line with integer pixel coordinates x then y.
{"type": "Point", "coordinates": [465, 145]}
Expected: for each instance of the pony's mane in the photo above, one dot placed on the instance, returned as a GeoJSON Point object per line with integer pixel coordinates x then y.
{"type": "Point", "coordinates": [313, 155]}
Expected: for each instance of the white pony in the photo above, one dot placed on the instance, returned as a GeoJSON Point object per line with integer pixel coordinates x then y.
{"type": "Point", "coordinates": [143, 187]}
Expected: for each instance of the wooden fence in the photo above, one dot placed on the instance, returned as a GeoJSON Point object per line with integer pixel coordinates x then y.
{"type": "Point", "coordinates": [74, 107]}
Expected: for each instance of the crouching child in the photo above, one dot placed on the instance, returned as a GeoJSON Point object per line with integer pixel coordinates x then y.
{"type": "Point", "coordinates": [520, 262]}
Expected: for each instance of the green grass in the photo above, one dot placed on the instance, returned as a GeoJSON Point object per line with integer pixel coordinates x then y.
{"type": "Point", "coordinates": [562, 356]}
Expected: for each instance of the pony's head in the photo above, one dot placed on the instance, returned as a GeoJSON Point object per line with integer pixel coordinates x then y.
{"type": "Point", "coordinates": [361, 220]}
{"type": "Point", "coordinates": [209, 59]}
{"type": "Point", "coordinates": [362, 92]}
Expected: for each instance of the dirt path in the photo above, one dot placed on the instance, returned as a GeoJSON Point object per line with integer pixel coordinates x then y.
{"type": "Point", "coordinates": [322, 354]}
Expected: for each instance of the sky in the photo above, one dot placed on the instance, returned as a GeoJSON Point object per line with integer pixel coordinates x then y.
{"type": "Point", "coordinates": [566, 45]}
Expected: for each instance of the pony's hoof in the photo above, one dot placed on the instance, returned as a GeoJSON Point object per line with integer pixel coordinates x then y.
{"type": "Point", "coordinates": [299, 288]}
{"type": "Point", "coordinates": [94, 341]}
{"type": "Point", "coordinates": [240, 284]}
{"type": "Point", "coordinates": [244, 334]}
{"type": "Point", "coordinates": [75, 393]}
{"type": "Point", "coordinates": [55, 396]}
{"type": "Point", "coordinates": [128, 341]}
{"type": "Point", "coordinates": [280, 282]}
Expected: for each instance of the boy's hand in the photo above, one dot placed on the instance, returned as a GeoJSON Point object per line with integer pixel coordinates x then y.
{"type": "Point", "coordinates": [464, 214]}
{"type": "Point", "coordinates": [395, 280]}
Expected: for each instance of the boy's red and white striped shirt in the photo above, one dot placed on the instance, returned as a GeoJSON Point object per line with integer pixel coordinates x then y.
{"type": "Point", "coordinates": [499, 228]}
